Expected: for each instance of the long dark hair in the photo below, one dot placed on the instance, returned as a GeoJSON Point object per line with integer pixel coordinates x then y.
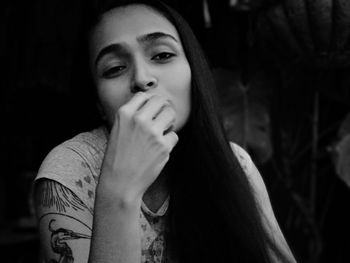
{"type": "Point", "coordinates": [213, 215]}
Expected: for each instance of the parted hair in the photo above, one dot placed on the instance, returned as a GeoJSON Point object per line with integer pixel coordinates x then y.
{"type": "Point", "coordinates": [213, 214]}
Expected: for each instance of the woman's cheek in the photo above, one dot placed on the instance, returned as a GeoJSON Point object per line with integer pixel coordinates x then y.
{"type": "Point", "coordinates": [112, 97]}
{"type": "Point", "coordinates": [181, 95]}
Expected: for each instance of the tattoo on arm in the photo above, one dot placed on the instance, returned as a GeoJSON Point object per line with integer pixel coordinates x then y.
{"type": "Point", "coordinates": [59, 236]}
{"type": "Point", "coordinates": [53, 194]}
{"type": "Point", "coordinates": [62, 220]}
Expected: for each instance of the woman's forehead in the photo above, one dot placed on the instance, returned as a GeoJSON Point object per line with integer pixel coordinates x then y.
{"type": "Point", "coordinates": [129, 22]}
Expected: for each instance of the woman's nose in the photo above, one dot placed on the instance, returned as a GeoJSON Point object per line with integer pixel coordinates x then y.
{"type": "Point", "coordinates": [144, 79]}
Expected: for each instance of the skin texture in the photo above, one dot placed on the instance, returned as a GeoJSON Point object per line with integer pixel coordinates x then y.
{"type": "Point", "coordinates": [161, 61]}
{"type": "Point", "coordinates": [143, 82]}
{"type": "Point", "coordinates": [144, 90]}
{"type": "Point", "coordinates": [147, 58]}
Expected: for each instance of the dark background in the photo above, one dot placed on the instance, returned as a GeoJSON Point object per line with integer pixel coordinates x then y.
{"type": "Point", "coordinates": [291, 97]}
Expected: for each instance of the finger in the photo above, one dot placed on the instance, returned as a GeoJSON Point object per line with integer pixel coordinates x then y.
{"type": "Point", "coordinates": [171, 139]}
{"type": "Point", "coordinates": [165, 119]}
{"type": "Point", "coordinates": [136, 102]}
{"type": "Point", "coordinates": [153, 107]}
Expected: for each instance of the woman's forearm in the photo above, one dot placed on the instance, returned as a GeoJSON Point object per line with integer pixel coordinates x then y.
{"type": "Point", "coordinates": [116, 233]}
{"type": "Point", "coordinates": [137, 151]}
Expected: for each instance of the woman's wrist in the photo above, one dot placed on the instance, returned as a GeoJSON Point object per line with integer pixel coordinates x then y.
{"type": "Point", "coordinates": [112, 196]}
{"type": "Point", "coordinates": [116, 230]}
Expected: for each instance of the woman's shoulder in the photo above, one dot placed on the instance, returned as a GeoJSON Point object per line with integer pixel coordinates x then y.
{"type": "Point", "coordinates": [86, 146]}
{"type": "Point", "coordinates": [93, 141]}
{"type": "Point", "coordinates": [251, 172]}
{"type": "Point", "coordinates": [82, 146]}
{"type": "Point", "coordinates": [263, 201]}
{"type": "Point", "coordinates": [76, 163]}
{"type": "Point", "coordinates": [242, 156]}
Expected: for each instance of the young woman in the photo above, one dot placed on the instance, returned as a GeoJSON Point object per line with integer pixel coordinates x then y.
{"type": "Point", "coordinates": [159, 182]}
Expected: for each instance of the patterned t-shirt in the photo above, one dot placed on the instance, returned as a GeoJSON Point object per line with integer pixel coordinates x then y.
{"type": "Point", "coordinates": [76, 165]}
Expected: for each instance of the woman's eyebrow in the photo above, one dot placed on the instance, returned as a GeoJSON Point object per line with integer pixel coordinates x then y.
{"type": "Point", "coordinates": [151, 37]}
{"type": "Point", "coordinates": [116, 48]}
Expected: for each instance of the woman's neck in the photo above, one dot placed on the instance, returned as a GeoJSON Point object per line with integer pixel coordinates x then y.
{"type": "Point", "coordinates": [157, 192]}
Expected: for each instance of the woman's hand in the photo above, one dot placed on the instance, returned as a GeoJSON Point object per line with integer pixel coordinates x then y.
{"type": "Point", "coordinates": [140, 142]}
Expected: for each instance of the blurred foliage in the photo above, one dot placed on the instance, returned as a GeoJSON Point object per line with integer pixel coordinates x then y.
{"type": "Point", "coordinates": [341, 151]}
{"type": "Point", "coordinates": [308, 98]}
{"type": "Point", "coordinates": [301, 72]}
{"type": "Point", "coordinates": [245, 111]}
{"type": "Point", "coordinates": [307, 33]}
{"type": "Point", "coordinates": [283, 77]}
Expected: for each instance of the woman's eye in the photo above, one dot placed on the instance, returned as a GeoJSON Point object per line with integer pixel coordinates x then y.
{"type": "Point", "coordinates": [113, 71]}
{"type": "Point", "coordinates": [163, 56]}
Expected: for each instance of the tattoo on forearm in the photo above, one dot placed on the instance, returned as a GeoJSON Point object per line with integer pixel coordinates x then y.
{"type": "Point", "coordinates": [59, 245]}
{"type": "Point", "coordinates": [53, 194]}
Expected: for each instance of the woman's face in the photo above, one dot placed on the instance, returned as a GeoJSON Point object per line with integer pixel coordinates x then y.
{"type": "Point", "coordinates": [135, 46]}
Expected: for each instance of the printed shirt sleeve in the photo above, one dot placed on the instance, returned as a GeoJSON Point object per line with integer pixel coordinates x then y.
{"type": "Point", "coordinates": [263, 201]}
{"type": "Point", "coordinates": [69, 166]}
{"type": "Point", "coordinates": [252, 173]}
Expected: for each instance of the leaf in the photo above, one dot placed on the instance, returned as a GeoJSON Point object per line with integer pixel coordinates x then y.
{"type": "Point", "coordinates": [320, 18]}
{"type": "Point", "coordinates": [246, 117]}
{"type": "Point", "coordinates": [283, 31]}
{"type": "Point", "coordinates": [296, 12]}
{"type": "Point", "coordinates": [246, 5]}
{"type": "Point", "coordinates": [342, 159]}
{"type": "Point", "coordinates": [344, 127]}
{"type": "Point", "coordinates": [341, 25]}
